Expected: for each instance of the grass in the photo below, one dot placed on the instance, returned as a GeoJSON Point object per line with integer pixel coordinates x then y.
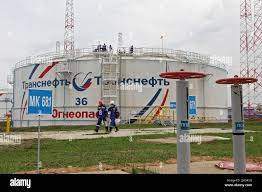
{"type": "Point", "coordinates": [254, 125]}
{"type": "Point", "coordinates": [224, 148]}
{"type": "Point", "coordinates": [82, 153]}
{"type": "Point", "coordinates": [111, 151]}
{"type": "Point", "coordinates": [116, 151]}
{"type": "Point", "coordinates": [78, 128]}
{"type": "Point", "coordinates": [249, 125]}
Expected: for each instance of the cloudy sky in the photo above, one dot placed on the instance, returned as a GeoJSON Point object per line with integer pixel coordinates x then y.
{"type": "Point", "coordinates": [32, 27]}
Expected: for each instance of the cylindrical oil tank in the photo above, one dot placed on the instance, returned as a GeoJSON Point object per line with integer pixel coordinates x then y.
{"type": "Point", "coordinates": [142, 96]}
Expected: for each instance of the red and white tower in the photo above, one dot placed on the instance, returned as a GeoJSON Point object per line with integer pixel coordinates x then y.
{"type": "Point", "coordinates": [256, 70]}
{"type": "Point", "coordinates": [251, 49]}
{"type": "Point", "coordinates": [69, 28]}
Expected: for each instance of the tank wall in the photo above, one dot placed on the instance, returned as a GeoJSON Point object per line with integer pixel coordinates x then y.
{"type": "Point", "coordinates": [211, 100]}
{"type": "Point", "coordinates": [73, 104]}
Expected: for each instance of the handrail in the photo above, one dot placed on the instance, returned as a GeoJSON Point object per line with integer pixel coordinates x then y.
{"type": "Point", "coordinates": [182, 56]}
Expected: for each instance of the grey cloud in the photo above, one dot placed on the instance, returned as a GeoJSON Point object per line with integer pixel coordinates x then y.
{"type": "Point", "coordinates": [32, 27]}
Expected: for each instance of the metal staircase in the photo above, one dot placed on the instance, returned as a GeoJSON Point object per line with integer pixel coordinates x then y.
{"type": "Point", "coordinates": [110, 71]}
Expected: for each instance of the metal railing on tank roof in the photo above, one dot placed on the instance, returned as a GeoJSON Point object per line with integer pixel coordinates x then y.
{"type": "Point", "coordinates": [179, 55]}
{"type": "Point", "coordinates": [51, 56]}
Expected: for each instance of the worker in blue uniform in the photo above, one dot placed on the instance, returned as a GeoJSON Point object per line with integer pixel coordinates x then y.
{"type": "Point", "coordinates": [113, 115]}
{"type": "Point", "coordinates": [101, 114]}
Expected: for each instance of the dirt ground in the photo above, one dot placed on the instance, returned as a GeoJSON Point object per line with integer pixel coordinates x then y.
{"type": "Point", "coordinates": [199, 165]}
{"type": "Point", "coordinates": [106, 169]}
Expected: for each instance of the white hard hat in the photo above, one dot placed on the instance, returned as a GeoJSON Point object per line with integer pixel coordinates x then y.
{"type": "Point", "coordinates": [112, 102]}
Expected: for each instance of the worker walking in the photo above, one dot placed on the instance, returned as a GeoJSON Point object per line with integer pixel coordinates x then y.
{"type": "Point", "coordinates": [110, 48]}
{"type": "Point", "coordinates": [104, 48]}
{"type": "Point", "coordinates": [101, 116]}
{"type": "Point", "coordinates": [131, 50]}
{"type": "Point", "coordinates": [113, 115]}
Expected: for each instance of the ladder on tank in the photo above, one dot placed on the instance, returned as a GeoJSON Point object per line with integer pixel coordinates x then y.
{"type": "Point", "coordinates": [110, 72]}
{"type": "Point", "coordinates": [64, 69]}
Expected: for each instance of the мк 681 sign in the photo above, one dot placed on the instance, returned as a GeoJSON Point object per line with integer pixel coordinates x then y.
{"type": "Point", "coordinates": [40, 102]}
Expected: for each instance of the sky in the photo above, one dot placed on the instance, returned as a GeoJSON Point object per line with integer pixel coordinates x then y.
{"type": "Point", "coordinates": [32, 27]}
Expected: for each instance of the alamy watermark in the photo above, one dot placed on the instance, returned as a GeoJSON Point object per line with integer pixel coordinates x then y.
{"type": "Point", "coordinates": [186, 138]}
{"type": "Point", "coordinates": [20, 183]}
{"type": "Point", "coordinates": [7, 139]}
{"type": "Point", "coordinates": [227, 61]}
{"type": "Point", "coordinates": [131, 87]}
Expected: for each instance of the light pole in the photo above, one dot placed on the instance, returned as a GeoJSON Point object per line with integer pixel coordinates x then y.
{"type": "Point", "coordinates": [162, 42]}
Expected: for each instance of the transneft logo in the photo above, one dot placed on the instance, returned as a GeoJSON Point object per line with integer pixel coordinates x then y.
{"type": "Point", "coordinates": [20, 183]}
{"type": "Point", "coordinates": [85, 81]}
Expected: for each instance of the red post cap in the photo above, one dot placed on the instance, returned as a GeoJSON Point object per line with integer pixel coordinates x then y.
{"type": "Point", "coordinates": [182, 75]}
{"type": "Point", "coordinates": [237, 80]}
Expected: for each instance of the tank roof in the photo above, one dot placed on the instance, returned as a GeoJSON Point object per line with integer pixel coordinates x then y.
{"type": "Point", "coordinates": [178, 55]}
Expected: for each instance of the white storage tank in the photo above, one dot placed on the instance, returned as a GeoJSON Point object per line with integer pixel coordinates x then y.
{"type": "Point", "coordinates": [140, 93]}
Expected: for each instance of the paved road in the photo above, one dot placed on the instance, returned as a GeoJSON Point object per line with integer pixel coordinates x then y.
{"type": "Point", "coordinates": [203, 167]}
{"type": "Point", "coordinates": [70, 135]}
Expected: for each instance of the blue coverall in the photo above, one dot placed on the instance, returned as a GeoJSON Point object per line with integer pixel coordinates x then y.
{"type": "Point", "coordinates": [102, 116]}
{"type": "Point", "coordinates": [113, 115]}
